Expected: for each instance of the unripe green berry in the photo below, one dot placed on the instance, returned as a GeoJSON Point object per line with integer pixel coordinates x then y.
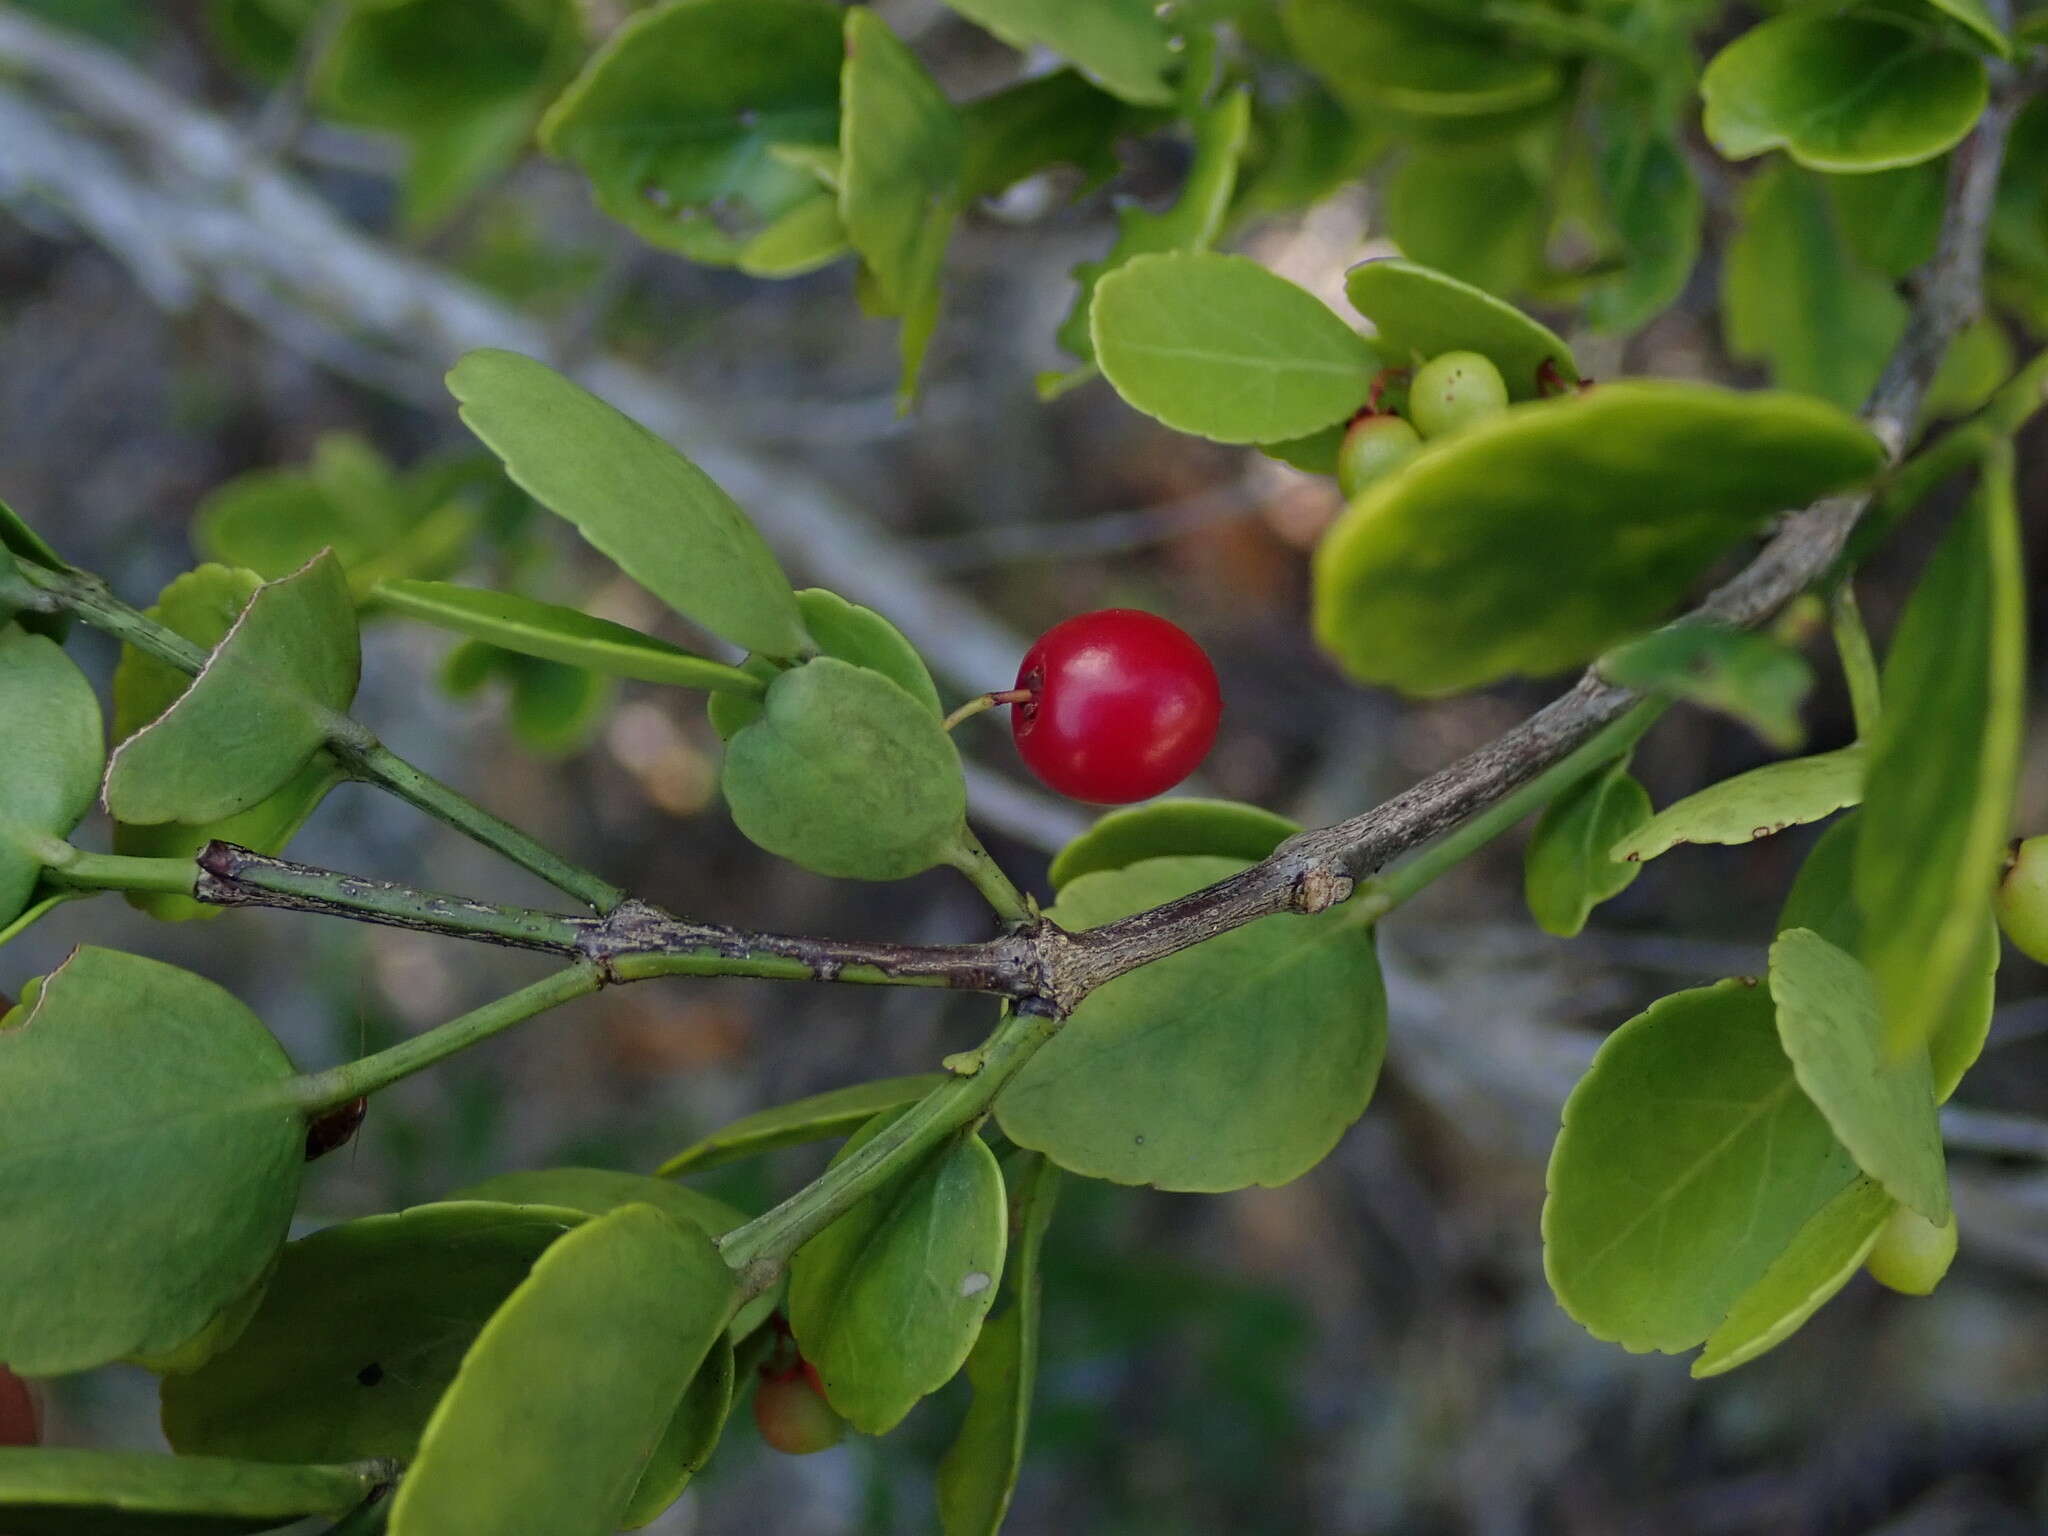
{"type": "Point", "coordinates": [1373, 447]}
{"type": "Point", "coordinates": [1455, 389]}
{"type": "Point", "coordinates": [1912, 1253]}
{"type": "Point", "coordinates": [2023, 898]}
{"type": "Point", "coordinates": [791, 1412]}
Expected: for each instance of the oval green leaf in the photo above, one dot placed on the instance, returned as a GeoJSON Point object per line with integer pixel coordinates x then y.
{"type": "Point", "coordinates": [1841, 93]}
{"type": "Point", "coordinates": [1568, 868]}
{"type": "Point", "coordinates": [1380, 54]}
{"type": "Point", "coordinates": [821, 1117]}
{"type": "Point", "coordinates": [1220, 347]}
{"type": "Point", "coordinates": [692, 1435]}
{"type": "Point", "coordinates": [1882, 1111]}
{"type": "Point", "coordinates": [676, 118]}
{"type": "Point", "coordinates": [1823, 1258]}
{"type": "Point", "coordinates": [979, 1471]}
{"type": "Point", "coordinates": [1944, 762]}
{"type": "Point", "coordinates": [257, 712]}
{"type": "Point", "coordinates": [1238, 1062]}
{"type": "Point", "coordinates": [1122, 45]}
{"type": "Point", "coordinates": [555, 633]}
{"type": "Point", "coordinates": [360, 1331]}
{"type": "Point", "coordinates": [126, 1493]}
{"type": "Point", "coordinates": [1478, 214]}
{"type": "Point", "coordinates": [1532, 541]}
{"type": "Point", "coordinates": [50, 756]}
{"type": "Point", "coordinates": [570, 1388]}
{"type": "Point", "coordinates": [1974, 15]}
{"type": "Point", "coordinates": [1227, 829]}
{"type": "Point", "coordinates": [1688, 1161]}
{"type": "Point", "coordinates": [848, 775]}
{"type": "Point", "coordinates": [887, 1300]}
{"type": "Point", "coordinates": [659, 518]}
{"type": "Point", "coordinates": [1760, 803]}
{"type": "Point", "coordinates": [1754, 678]}
{"type": "Point", "coordinates": [202, 605]}
{"type": "Point", "coordinates": [851, 633]}
{"type": "Point", "coordinates": [149, 1160]}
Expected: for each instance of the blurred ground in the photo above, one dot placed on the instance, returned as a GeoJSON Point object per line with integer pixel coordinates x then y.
{"type": "Point", "coordinates": [1372, 1349]}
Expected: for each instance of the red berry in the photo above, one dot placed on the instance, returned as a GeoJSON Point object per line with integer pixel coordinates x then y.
{"type": "Point", "coordinates": [791, 1412]}
{"type": "Point", "coordinates": [20, 1424]}
{"type": "Point", "coordinates": [334, 1127]}
{"type": "Point", "coordinates": [1123, 706]}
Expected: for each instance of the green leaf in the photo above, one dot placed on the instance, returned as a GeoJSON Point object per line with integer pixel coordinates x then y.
{"type": "Point", "coordinates": [1220, 347]}
{"type": "Point", "coordinates": [202, 605]}
{"type": "Point", "coordinates": [901, 159]}
{"type": "Point", "coordinates": [849, 632]}
{"type": "Point", "coordinates": [659, 517]}
{"type": "Point", "coordinates": [359, 1333]}
{"type": "Point", "coordinates": [1420, 311]}
{"type": "Point", "coordinates": [1688, 1161]}
{"type": "Point", "coordinates": [1568, 868]}
{"type": "Point", "coordinates": [1883, 1112]}
{"type": "Point", "coordinates": [571, 1386]}
{"type": "Point", "coordinates": [820, 1117]}
{"type": "Point", "coordinates": [887, 1300]}
{"type": "Point", "coordinates": [1477, 214]}
{"type": "Point", "coordinates": [255, 716]}
{"type": "Point", "coordinates": [692, 1435]}
{"type": "Point", "coordinates": [676, 118]}
{"type": "Point", "coordinates": [1192, 223]}
{"type": "Point", "coordinates": [1976, 363]}
{"type": "Point", "coordinates": [1823, 1258]}
{"type": "Point", "coordinates": [1943, 765]}
{"type": "Point", "coordinates": [1122, 45]}
{"type": "Point", "coordinates": [462, 80]}
{"type": "Point", "coordinates": [1841, 93]}
{"type": "Point", "coordinates": [24, 543]}
{"type": "Point", "coordinates": [1047, 120]}
{"type": "Point", "coordinates": [1821, 898]}
{"type": "Point", "coordinates": [555, 633]}
{"type": "Point", "coordinates": [979, 1471]}
{"type": "Point", "coordinates": [1163, 828]}
{"type": "Point", "coordinates": [1890, 219]}
{"type": "Point", "coordinates": [848, 775]}
{"type": "Point", "coordinates": [1239, 1062]}
{"type": "Point", "coordinates": [1754, 678]}
{"type": "Point", "coordinates": [1795, 299]}
{"type": "Point", "coordinates": [126, 1493]}
{"type": "Point", "coordinates": [50, 756]}
{"type": "Point", "coordinates": [1531, 541]}
{"type": "Point", "coordinates": [149, 1160]}
{"type": "Point", "coordinates": [1654, 207]}
{"type": "Point", "coordinates": [555, 709]}
{"type": "Point", "coordinates": [810, 235]}
{"type": "Point", "coordinates": [1974, 15]}
{"type": "Point", "coordinates": [1760, 803]}
{"type": "Point", "coordinates": [1380, 54]}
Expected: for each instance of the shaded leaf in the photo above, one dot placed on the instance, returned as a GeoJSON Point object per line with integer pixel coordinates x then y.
{"type": "Point", "coordinates": [1474, 213]}
{"type": "Point", "coordinates": [887, 1300]}
{"type": "Point", "coordinates": [1238, 1062]}
{"type": "Point", "coordinates": [1122, 45]}
{"type": "Point", "coordinates": [820, 1117]}
{"type": "Point", "coordinates": [1163, 828]}
{"type": "Point", "coordinates": [150, 1155]}
{"type": "Point", "coordinates": [1379, 54]}
{"type": "Point", "coordinates": [1568, 868]}
{"type": "Point", "coordinates": [1754, 678]}
{"type": "Point", "coordinates": [50, 756]}
{"type": "Point", "coordinates": [1420, 311]}
{"type": "Point", "coordinates": [127, 1493]}
{"type": "Point", "coordinates": [659, 517]}
{"type": "Point", "coordinates": [24, 543]}
{"type": "Point", "coordinates": [1042, 121]}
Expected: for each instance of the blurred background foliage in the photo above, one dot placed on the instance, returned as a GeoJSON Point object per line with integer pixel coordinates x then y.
{"type": "Point", "coordinates": [1369, 1349]}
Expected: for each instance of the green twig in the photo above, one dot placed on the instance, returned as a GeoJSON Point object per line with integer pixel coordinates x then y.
{"type": "Point", "coordinates": [997, 889]}
{"type": "Point", "coordinates": [1379, 895]}
{"type": "Point", "coordinates": [315, 1091]}
{"type": "Point", "coordinates": [78, 870]}
{"type": "Point", "coordinates": [1859, 663]}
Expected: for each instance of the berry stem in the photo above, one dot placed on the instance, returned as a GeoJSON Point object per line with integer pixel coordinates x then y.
{"type": "Point", "coordinates": [983, 702]}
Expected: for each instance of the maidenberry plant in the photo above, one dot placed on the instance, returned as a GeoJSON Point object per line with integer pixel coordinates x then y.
{"type": "Point", "coordinates": [1198, 1007]}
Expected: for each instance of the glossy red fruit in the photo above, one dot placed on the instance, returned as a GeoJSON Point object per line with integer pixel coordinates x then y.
{"type": "Point", "coordinates": [791, 1412]}
{"type": "Point", "coordinates": [20, 1423]}
{"type": "Point", "coordinates": [1124, 705]}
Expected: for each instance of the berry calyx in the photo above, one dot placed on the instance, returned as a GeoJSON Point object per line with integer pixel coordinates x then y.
{"type": "Point", "coordinates": [1123, 706]}
{"type": "Point", "coordinates": [1912, 1253]}
{"type": "Point", "coordinates": [1374, 446]}
{"type": "Point", "coordinates": [1453, 390]}
{"type": "Point", "coordinates": [2022, 899]}
{"type": "Point", "coordinates": [20, 1423]}
{"type": "Point", "coordinates": [791, 1412]}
